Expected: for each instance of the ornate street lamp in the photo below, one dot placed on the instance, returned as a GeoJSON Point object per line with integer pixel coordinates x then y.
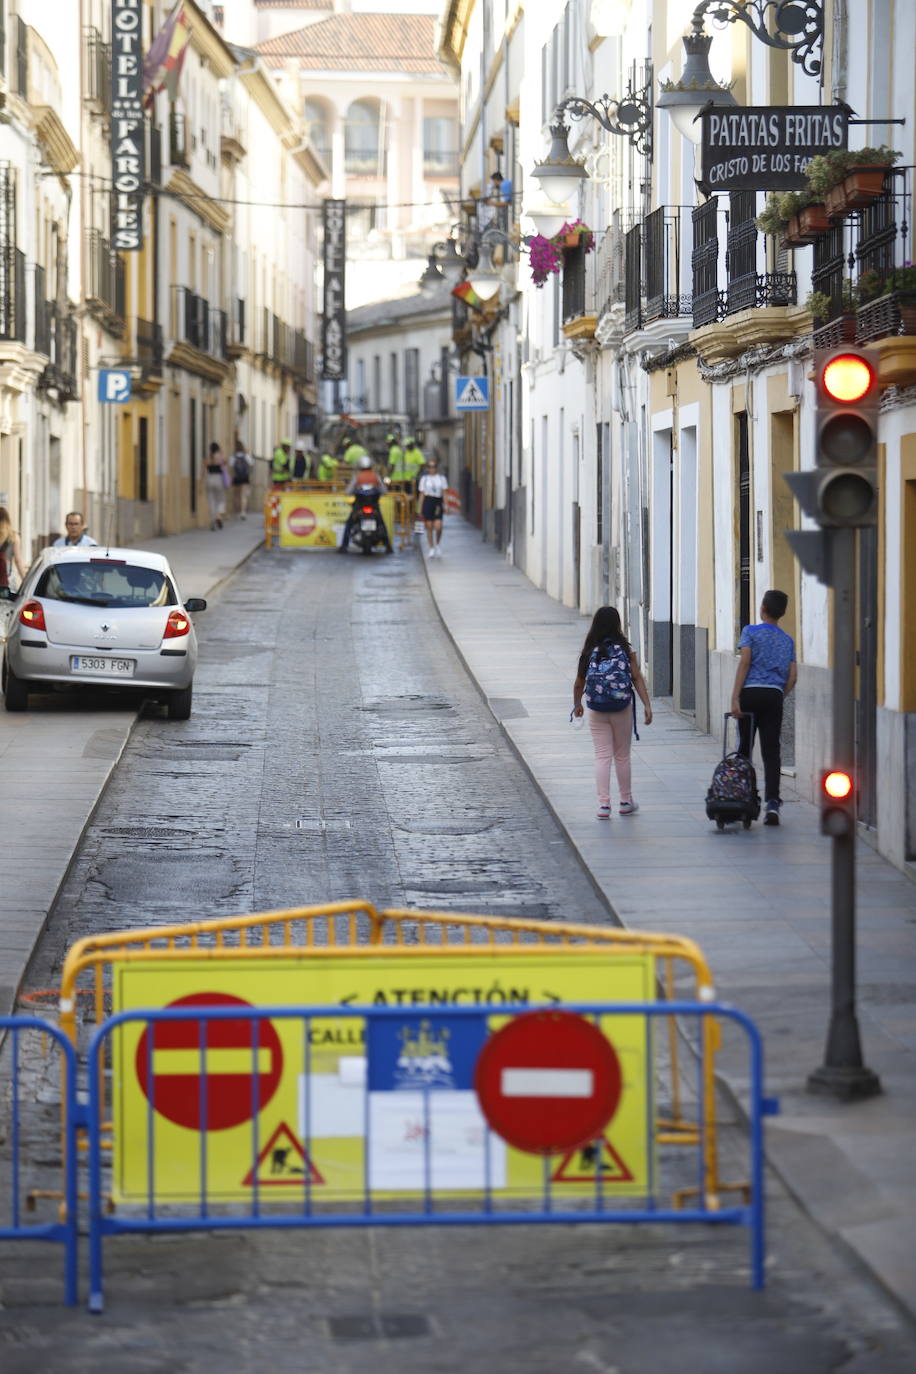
{"type": "Point", "coordinates": [560, 173]}
{"type": "Point", "coordinates": [795, 26]}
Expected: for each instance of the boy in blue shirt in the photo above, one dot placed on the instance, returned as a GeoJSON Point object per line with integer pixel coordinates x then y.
{"type": "Point", "coordinates": [765, 676]}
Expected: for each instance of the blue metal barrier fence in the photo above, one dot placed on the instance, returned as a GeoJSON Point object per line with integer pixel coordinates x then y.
{"type": "Point", "coordinates": [482, 1204]}
{"type": "Point", "coordinates": [13, 1167]}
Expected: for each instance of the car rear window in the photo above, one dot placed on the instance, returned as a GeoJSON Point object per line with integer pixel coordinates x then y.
{"type": "Point", "coordinates": [119, 585]}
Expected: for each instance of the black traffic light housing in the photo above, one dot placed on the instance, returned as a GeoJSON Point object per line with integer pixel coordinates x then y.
{"type": "Point", "coordinates": [842, 490]}
{"type": "Point", "coordinates": [838, 803]}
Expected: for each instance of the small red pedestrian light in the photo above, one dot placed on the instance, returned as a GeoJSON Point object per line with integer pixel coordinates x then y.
{"type": "Point", "coordinates": [838, 785]}
{"type": "Point", "coordinates": [847, 378]}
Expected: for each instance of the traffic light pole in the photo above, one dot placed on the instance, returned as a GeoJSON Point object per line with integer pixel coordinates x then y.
{"type": "Point", "coordinates": [843, 1073]}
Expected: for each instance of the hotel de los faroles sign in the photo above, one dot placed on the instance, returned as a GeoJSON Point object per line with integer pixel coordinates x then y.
{"type": "Point", "coordinates": [127, 129]}
{"type": "Point", "coordinates": [768, 147]}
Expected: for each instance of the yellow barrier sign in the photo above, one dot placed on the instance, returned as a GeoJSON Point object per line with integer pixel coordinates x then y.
{"type": "Point", "coordinates": [301, 1121]}
{"type": "Point", "coordinates": [313, 519]}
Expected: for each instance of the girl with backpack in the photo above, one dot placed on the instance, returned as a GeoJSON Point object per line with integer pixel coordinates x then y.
{"type": "Point", "coordinates": [609, 678]}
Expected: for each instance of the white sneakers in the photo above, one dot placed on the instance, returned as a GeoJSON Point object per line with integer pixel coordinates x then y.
{"type": "Point", "coordinates": [434, 551]}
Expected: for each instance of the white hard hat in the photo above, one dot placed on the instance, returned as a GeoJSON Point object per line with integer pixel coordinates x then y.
{"type": "Point", "coordinates": [300, 444]}
{"type": "Point", "coordinates": [365, 461]}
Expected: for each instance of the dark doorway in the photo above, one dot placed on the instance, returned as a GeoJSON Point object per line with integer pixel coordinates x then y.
{"type": "Point", "coordinates": [143, 460]}
{"type": "Point", "coordinates": [867, 660]}
{"type": "Point", "coordinates": [193, 457]}
{"type": "Point", "coordinates": [744, 523]}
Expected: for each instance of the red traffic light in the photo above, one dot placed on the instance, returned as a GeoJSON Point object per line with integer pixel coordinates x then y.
{"type": "Point", "coordinates": [837, 785]}
{"type": "Point", "coordinates": [847, 378]}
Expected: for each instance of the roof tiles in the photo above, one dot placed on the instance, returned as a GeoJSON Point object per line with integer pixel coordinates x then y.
{"type": "Point", "coordinates": [360, 42]}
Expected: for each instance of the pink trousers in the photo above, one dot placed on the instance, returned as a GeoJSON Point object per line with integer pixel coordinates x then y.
{"type": "Point", "coordinates": [612, 737]}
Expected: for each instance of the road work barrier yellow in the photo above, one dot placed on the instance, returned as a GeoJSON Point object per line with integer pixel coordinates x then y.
{"type": "Point", "coordinates": [400, 954]}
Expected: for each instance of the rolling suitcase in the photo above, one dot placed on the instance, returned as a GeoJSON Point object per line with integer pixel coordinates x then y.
{"type": "Point", "coordinates": [733, 794]}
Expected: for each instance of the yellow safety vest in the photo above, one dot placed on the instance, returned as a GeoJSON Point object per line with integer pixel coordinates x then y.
{"type": "Point", "coordinates": [413, 461]}
{"type": "Point", "coordinates": [353, 453]}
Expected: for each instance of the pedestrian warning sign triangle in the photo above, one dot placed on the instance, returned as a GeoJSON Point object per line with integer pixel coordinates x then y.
{"type": "Point", "coordinates": [580, 1165]}
{"type": "Point", "coordinates": [472, 393]}
{"type": "Point", "coordinates": [282, 1163]}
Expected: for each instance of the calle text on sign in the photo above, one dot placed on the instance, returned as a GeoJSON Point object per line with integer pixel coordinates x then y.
{"type": "Point", "coordinates": [768, 147]}
{"type": "Point", "coordinates": [128, 147]}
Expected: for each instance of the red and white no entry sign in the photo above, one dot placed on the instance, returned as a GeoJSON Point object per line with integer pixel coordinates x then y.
{"type": "Point", "coordinates": [237, 1053]}
{"type": "Point", "coordinates": [548, 1081]}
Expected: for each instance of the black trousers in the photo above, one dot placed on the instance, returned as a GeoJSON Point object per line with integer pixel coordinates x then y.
{"type": "Point", "coordinates": [765, 705]}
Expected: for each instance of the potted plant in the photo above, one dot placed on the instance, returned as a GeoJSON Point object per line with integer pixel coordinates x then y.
{"type": "Point", "coordinates": [806, 219]}
{"type": "Point", "coordinates": [771, 219]}
{"type": "Point", "coordinates": [848, 178]}
{"type": "Point", "coordinates": [819, 305]}
{"type": "Point", "coordinates": [902, 281]}
{"type": "Point", "coordinates": [545, 258]}
{"type": "Point", "coordinates": [573, 233]}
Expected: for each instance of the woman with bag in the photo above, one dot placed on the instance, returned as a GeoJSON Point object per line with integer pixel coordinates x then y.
{"type": "Point", "coordinates": [609, 678]}
{"type": "Point", "coordinates": [10, 550]}
{"type": "Point", "coordinates": [216, 480]}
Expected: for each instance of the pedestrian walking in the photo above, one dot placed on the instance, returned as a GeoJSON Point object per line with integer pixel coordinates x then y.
{"type": "Point", "coordinates": [608, 675]}
{"type": "Point", "coordinates": [10, 549]}
{"type": "Point", "coordinates": [433, 486]}
{"type": "Point", "coordinates": [216, 480]}
{"type": "Point", "coordinates": [242, 464]}
{"type": "Point", "coordinates": [766, 673]}
{"type": "Point", "coordinates": [76, 532]}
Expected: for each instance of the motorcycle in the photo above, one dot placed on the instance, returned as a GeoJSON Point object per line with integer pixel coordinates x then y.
{"type": "Point", "coordinates": [368, 530]}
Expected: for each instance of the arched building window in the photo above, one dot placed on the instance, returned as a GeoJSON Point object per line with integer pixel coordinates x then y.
{"type": "Point", "coordinates": [363, 151]}
{"type": "Point", "coordinates": [318, 129]}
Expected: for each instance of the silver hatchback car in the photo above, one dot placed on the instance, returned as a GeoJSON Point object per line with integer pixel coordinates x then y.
{"type": "Point", "coordinates": [109, 618]}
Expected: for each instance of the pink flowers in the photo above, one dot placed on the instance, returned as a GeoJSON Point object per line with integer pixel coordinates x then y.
{"type": "Point", "coordinates": [546, 255]}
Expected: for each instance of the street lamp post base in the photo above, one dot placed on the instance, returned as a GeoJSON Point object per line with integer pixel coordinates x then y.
{"type": "Point", "coordinates": [846, 1084]}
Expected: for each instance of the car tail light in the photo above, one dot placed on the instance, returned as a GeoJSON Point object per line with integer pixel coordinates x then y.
{"type": "Point", "coordinates": [33, 615]}
{"type": "Point", "coordinates": [177, 625]}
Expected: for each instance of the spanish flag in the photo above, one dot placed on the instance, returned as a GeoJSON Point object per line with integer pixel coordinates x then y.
{"type": "Point", "coordinates": [162, 64]}
{"type": "Point", "coordinates": [465, 292]}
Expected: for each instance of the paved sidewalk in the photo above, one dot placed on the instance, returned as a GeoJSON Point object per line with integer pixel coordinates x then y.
{"type": "Point", "coordinates": [757, 902]}
{"type": "Point", "coordinates": [54, 764]}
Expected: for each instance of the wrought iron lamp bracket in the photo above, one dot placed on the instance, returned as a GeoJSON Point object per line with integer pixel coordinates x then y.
{"type": "Point", "coordinates": [797, 26]}
{"type": "Point", "coordinates": [631, 116]}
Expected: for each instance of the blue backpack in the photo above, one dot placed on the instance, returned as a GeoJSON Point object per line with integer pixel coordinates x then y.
{"type": "Point", "coordinates": [608, 680]}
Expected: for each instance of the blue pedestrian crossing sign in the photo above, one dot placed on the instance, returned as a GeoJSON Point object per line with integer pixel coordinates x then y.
{"type": "Point", "coordinates": [472, 393]}
{"type": "Point", "coordinates": [114, 384]}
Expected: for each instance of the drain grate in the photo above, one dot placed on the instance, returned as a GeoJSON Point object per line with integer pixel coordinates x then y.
{"type": "Point", "coordinates": [393, 1325]}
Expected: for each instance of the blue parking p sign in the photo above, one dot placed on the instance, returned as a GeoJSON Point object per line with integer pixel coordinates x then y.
{"type": "Point", "coordinates": [114, 384]}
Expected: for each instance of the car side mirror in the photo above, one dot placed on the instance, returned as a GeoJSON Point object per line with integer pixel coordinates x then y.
{"type": "Point", "coordinates": [195, 603]}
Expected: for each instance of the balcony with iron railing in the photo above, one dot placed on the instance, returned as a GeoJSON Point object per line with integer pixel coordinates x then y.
{"type": "Point", "coordinates": [199, 325]}
{"type": "Point", "coordinates": [439, 163]}
{"type": "Point", "coordinates": [97, 71]}
{"type": "Point", "coordinates": [863, 265]}
{"type": "Point", "coordinates": [150, 349]}
{"type": "Point", "coordinates": [13, 306]}
{"type": "Point", "coordinates": [105, 290]}
{"type": "Point", "coordinates": [179, 151]}
{"type": "Point", "coordinates": [63, 354]}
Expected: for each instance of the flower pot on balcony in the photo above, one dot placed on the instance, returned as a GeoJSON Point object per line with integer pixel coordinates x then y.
{"type": "Point", "coordinates": [863, 185]}
{"type": "Point", "coordinates": [807, 226]}
{"type": "Point", "coordinates": [814, 221]}
{"type": "Point", "coordinates": [571, 240]}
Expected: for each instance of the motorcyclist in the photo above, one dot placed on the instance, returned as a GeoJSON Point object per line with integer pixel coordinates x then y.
{"type": "Point", "coordinates": [365, 484]}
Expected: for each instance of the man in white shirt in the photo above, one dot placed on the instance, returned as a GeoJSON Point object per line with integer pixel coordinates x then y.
{"type": "Point", "coordinates": [433, 486]}
{"type": "Point", "coordinates": [76, 533]}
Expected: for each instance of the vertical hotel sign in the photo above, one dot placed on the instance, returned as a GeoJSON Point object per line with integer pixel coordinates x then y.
{"type": "Point", "coordinates": [333, 325]}
{"type": "Point", "coordinates": [127, 129]}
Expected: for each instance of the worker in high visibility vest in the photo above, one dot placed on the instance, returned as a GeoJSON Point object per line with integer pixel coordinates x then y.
{"type": "Point", "coordinates": [414, 461]}
{"type": "Point", "coordinates": [353, 452]}
{"type": "Point", "coordinates": [396, 472]}
{"type": "Point", "coordinates": [327, 468]}
{"type": "Point", "coordinates": [281, 464]}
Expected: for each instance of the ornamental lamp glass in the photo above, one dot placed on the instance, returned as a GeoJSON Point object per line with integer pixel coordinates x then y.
{"type": "Point", "coordinates": [560, 175]}
{"type": "Point", "coordinates": [696, 89]}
